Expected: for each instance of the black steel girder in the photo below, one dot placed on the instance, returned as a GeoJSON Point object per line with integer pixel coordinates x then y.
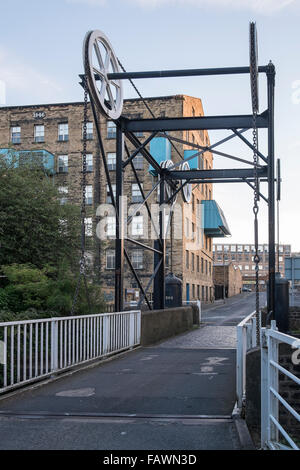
{"type": "Point", "coordinates": [219, 173]}
{"type": "Point", "coordinates": [193, 123]}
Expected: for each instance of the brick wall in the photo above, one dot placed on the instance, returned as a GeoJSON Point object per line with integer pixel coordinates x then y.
{"type": "Point", "coordinates": [200, 280]}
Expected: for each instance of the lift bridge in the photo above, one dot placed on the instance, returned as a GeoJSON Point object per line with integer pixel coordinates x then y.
{"type": "Point", "coordinates": [102, 82]}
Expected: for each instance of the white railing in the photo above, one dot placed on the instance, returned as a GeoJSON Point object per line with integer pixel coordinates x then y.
{"type": "Point", "coordinates": [195, 302]}
{"type": "Point", "coordinates": [270, 397]}
{"type": "Point", "coordinates": [246, 339]}
{"type": "Point", "coordinates": [34, 349]}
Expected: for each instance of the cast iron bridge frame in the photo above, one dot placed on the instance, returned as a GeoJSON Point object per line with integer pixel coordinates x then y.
{"type": "Point", "coordinates": [237, 124]}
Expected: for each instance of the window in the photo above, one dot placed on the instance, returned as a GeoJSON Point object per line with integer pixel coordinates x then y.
{"type": "Point", "coordinates": [111, 161]}
{"type": "Point", "coordinates": [63, 164]}
{"type": "Point", "coordinates": [63, 131]}
{"type": "Point", "coordinates": [187, 228]}
{"type": "Point", "coordinates": [89, 130]}
{"type": "Point", "coordinates": [111, 130]}
{"type": "Point", "coordinates": [137, 227]}
{"type": "Point", "coordinates": [206, 271]}
{"type": "Point", "coordinates": [139, 134]}
{"type": "Point", "coordinates": [111, 226]}
{"type": "Point", "coordinates": [198, 292]}
{"type": "Point", "coordinates": [136, 193]}
{"type": "Point", "coordinates": [110, 259]}
{"type": "Point", "coordinates": [88, 222]}
{"type": "Point", "coordinates": [202, 265]}
{"type": "Point", "coordinates": [246, 248]}
{"type": "Point", "coordinates": [210, 268]}
{"type": "Point", "coordinates": [138, 162]}
{"type": "Point", "coordinates": [108, 198]}
{"type": "Point", "coordinates": [246, 267]}
{"type": "Point", "coordinates": [198, 263]}
{"type": "Point", "coordinates": [89, 195]}
{"type": "Point", "coordinates": [89, 162]}
{"type": "Point", "coordinates": [63, 190]}
{"type": "Point", "coordinates": [15, 135]}
{"type": "Point", "coordinates": [193, 231]}
{"type": "Point", "coordinates": [206, 290]}
{"type": "Point", "coordinates": [202, 293]}
{"type": "Point", "coordinates": [193, 262]}
{"type": "Point", "coordinates": [39, 133]}
{"type": "Point", "coordinates": [240, 248]}
{"type": "Point", "coordinates": [187, 259]}
{"type": "Point", "coordinates": [193, 202]}
{"type": "Point", "coordinates": [193, 291]}
{"type": "Point", "coordinates": [226, 248]}
{"type": "Point", "coordinates": [137, 259]}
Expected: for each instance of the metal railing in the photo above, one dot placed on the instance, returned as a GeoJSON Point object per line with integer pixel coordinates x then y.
{"type": "Point", "coordinates": [271, 428]}
{"type": "Point", "coordinates": [34, 349]}
{"type": "Point", "coordinates": [246, 339]}
{"type": "Point", "coordinates": [195, 302]}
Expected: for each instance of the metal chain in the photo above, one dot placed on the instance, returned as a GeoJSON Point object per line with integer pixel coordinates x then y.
{"type": "Point", "coordinates": [82, 261]}
{"type": "Point", "coordinates": [256, 189]}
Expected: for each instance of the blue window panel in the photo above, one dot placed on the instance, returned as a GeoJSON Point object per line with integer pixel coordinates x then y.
{"type": "Point", "coordinates": [214, 222]}
{"type": "Point", "coordinates": [193, 162]}
{"type": "Point", "coordinates": [160, 149]}
{"type": "Point", "coordinates": [46, 157]}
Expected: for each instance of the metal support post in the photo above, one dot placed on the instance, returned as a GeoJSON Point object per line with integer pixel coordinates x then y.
{"type": "Point", "coordinates": [271, 191]}
{"type": "Point", "coordinates": [119, 245]}
{"type": "Point", "coordinates": [159, 280]}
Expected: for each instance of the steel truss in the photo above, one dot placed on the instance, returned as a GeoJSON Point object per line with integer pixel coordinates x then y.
{"type": "Point", "coordinates": [237, 124]}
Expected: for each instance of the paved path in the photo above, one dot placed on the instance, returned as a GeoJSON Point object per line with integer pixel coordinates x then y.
{"type": "Point", "coordinates": [178, 394]}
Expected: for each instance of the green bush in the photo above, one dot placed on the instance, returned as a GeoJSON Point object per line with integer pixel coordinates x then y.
{"type": "Point", "coordinates": [46, 291]}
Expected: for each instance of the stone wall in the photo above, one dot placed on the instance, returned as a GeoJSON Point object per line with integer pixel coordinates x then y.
{"type": "Point", "coordinates": [158, 325]}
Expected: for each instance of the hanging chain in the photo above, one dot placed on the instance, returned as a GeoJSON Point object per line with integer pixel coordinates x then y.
{"type": "Point", "coordinates": [254, 94]}
{"type": "Point", "coordinates": [82, 262]}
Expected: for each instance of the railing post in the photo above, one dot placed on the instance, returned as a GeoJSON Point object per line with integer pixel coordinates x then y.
{"type": "Point", "coordinates": [239, 368]}
{"type": "Point", "coordinates": [199, 310]}
{"type": "Point", "coordinates": [273, 382]}
{"type": "Point", "coordinates": [105, 334]}
{"type": "Point", "coordinates": [132, 323]}
{"type": "Point", "coordinates": [139, 327]}
{"type": "Point", "coordinates": [54, 345]}
{"type": "Point", "coordinates": [264, 389]}
{"type": "Point", "coordinates": [253, 332]}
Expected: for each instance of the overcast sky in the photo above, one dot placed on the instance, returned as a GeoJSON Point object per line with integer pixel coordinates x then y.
{"type": "Point", "coordinates": [41, 57]}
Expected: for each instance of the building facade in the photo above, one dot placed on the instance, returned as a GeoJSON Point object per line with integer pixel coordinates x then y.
{"type": "Point", "coordinates": [243, 257]}
{"type": "Point", "coordinates": [228, 280]}
{"type": "Point", "coordinates": [57, 130]}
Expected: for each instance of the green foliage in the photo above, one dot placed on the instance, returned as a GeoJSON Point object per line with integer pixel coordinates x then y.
{"type": "Point", "coordinates": [34, 227]}
{"type": "Point", "coordinates": [39, 241]}
{"type": "Point", "coordinates": [46, 290]}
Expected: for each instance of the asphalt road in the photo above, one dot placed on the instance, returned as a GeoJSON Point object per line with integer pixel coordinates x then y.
{"type": "Point", "coordinates": [178, 394]}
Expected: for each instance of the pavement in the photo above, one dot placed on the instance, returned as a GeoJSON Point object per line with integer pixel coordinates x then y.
{"type": "Point", "coordinates": [176, 395]}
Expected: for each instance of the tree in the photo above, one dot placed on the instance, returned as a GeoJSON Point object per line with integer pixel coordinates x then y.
{"type": "Point", "coordinates": [34, 227]}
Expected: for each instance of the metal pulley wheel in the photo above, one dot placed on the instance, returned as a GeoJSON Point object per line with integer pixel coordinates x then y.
{"type": "Point", "coordinates": [186, 191]}
{"type": "Point", "coordinates": [253, 51]}
{"type": "Point", "coordinates": [169, 189]}
{"type": "Point", "coordinates": [99, 60]}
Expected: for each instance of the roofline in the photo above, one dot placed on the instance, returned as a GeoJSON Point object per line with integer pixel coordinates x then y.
{"type": "Point", "coordinates": [77, 103]}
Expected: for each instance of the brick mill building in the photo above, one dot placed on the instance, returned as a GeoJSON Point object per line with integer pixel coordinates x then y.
{"type": "Point", "coordinates": [55, 131]}
{"type": "Point", "coordinates": [243, 256]}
